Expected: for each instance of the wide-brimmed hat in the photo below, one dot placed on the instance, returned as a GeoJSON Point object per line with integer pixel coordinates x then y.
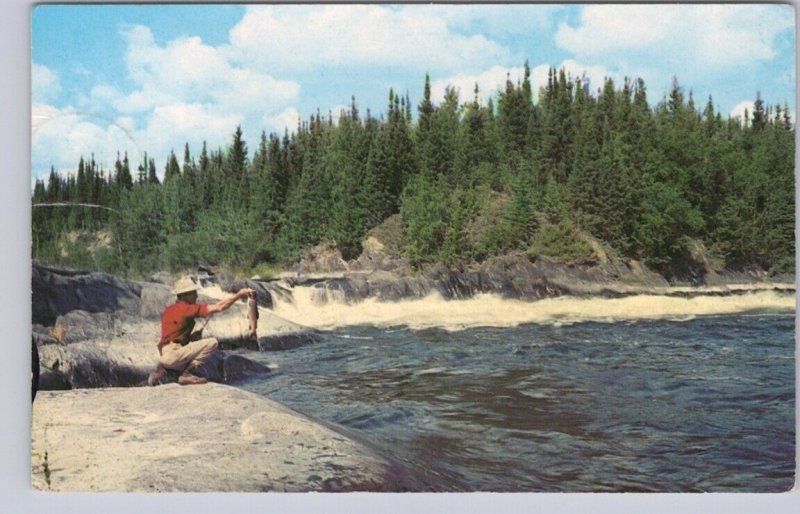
{"type": "Point", "coordinates": [184, 285]}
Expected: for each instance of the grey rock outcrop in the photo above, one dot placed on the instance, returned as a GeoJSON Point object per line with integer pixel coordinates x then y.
{"type": "Point", "coordinates": [118, 350]}
{"type": "Point", "coordinates": [380, 274]}
{"type": "Point", "coordinates": [113, 361]}
{"type": "Point", "coordinates": [57, 292]}
{"type": "Point", "coordinates": [53, 380]}
{"type": "Point", "coordinates": [223, 368]}
{"type": "Point", "coordinates": [154, 297]}
{"type": "Point", "coordinates": [208, 438]}
{"type": "Point", "coordinates": [514, 277]}
{"type": "Point", "coordinates": [231, 284]}
{"type": "Point", "coordinates": [80, 325]}
{"type": "Point", "coordinates": [236, 367]}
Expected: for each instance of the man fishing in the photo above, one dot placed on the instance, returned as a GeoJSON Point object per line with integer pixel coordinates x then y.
{"type": "Point", "coordinates": [180, 349]}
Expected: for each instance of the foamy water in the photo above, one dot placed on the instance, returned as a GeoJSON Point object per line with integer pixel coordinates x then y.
{"type": "Point", "coordinates": [488, 310]}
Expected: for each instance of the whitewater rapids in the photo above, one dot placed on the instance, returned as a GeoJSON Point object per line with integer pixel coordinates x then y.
{"type": "Point", "coordinates": [325, 310]}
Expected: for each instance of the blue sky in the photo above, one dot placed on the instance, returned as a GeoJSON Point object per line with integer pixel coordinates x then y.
{"type": "Point", "coordinates": [150, 78]}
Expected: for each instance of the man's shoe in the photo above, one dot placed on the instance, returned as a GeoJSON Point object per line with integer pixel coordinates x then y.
{"type": "Point", "coordinates": [156, 376]}
{"type": "Point", "coordinates": [189, 379]}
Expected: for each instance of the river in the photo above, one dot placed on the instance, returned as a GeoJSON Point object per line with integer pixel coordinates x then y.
{"type": "Point", "coordinates": [676, 393]}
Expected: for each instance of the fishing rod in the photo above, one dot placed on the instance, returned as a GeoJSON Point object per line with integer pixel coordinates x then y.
{"type": "Point", "coordinates": [74, 204]}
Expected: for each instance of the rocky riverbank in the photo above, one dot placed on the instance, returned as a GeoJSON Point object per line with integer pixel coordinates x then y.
{"type": "Point", "coordinates": [92, 430]}
{"type": "Point", "coordinates": [512, 277]}
{"type": "Point", "coordinates": [211, 438]}
{"type": "Point", "coordinates": [96, 335]}
{"type": "Point", "coordinates": [96, 330]}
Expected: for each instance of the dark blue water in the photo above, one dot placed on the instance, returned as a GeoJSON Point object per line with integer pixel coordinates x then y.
{"type": "Point", "coordinates": [700, 405]}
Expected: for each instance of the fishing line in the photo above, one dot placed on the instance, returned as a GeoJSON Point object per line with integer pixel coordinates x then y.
{"type": "Point", "coordinates": [312, 329]}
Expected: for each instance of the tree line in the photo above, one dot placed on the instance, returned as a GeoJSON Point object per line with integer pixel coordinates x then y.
{"type": "Point", "coordinates": [461, 180]}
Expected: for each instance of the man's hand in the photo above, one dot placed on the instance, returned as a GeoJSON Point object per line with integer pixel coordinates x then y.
{"type": "Point", "coordinates": [246, 293]}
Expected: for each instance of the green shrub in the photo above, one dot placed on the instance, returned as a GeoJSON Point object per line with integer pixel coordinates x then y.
{"type": "Point", "coordinates": [562, 242]}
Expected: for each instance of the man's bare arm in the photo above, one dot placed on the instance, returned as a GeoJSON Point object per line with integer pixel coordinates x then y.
{"type": "Point", "coordinates": [226, 303]}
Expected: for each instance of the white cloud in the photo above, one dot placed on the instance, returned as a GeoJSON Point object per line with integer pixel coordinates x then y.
{"type": "Point", "coordinates": [103, 95]}
{"type": "Point", "coordinates": [489, 83]}
{"type": "Point", "coordinates": [184, 92]}
{"type": "Point", "coordinates": [61, 136]}
{"type": "Point", "coordinates": [713, 49]}
{"type": "Point", "coordinates": [592, 75]}
{"type": "Point", "coordinates": [41, 115]}
{"type": "Point", "coordinates": [712, 36]}
{"type": "Point", "coordinates": [356, 35]}
{"type": "Point", "coordinates": [494, 79]}
{"type": "Point", "coordinates": [739, 109]}
{"type": "Point", "coordinates": [245, 89]}
{"type": "Point", "coordinates": [337, 111]}
{"type": "Point", "coordinates": [287, 119]}
{"type": "Point", "coordinates": [193, 93]}
{"type": "Point", "coordinates": [188, 71]}
{"type": "Point", "coordinates": [45, 84]}
{"type": "Point", "coordinates": [171, 126]}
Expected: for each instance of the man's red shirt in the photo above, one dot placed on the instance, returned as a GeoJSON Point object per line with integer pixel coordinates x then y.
{"type": "Point", "coordinates": [177, 322]}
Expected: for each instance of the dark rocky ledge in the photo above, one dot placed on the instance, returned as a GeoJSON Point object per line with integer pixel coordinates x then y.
{"type": "Point", "coordinates": [516, 277]}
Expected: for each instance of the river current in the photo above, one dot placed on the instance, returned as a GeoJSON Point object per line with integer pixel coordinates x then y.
{"type": "Point", "coordinates": [681, 393]}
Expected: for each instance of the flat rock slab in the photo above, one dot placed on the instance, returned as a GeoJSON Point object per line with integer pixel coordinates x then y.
{"type": "Point", "coordinates": [207, 438]}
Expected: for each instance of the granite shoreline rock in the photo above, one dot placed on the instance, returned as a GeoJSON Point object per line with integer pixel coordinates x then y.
{"type": "Point", "coordinates": [208, 438]}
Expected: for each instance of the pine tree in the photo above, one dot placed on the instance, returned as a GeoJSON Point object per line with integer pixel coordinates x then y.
{"type": "Point", "coordinates": [345, 162]}
{"type": "Point", "coordinates": [237, 160]}
{"type": "Point", "coordinates": [54, 187]}
{"type": "Point", "coordinates": [759, 116]}
{"type": "Point", "coordinates": [520, 216]}
{"type": "Point", "coordinates": [557, 132]}
{"type": "Point", "coordinates": [444, 142]}
{"type": "Point", "coordinates": [513, 113]}
{"type": "Point", "coordinates": [424, 217]}
{"type": "Point", "coordinates": [454, 249]}
{"type": "Point", "coordinates": [424, 141]}
{"type": "Point", "coordinates": [478, 147]}
{"type": "Point", "coordinates": [172, 170]}
{"type": "Point", "coordinates": [123, 173]}
{"type": "Point", "coordinates": [152, 178]}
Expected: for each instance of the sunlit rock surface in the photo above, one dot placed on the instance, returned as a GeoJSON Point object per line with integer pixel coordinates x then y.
{"type": "Point", "coordinates": [209, 437]}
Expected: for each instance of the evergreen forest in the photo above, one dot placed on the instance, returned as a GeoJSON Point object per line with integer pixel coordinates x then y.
{"type": "Point", "coordinates": [454, 183]}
